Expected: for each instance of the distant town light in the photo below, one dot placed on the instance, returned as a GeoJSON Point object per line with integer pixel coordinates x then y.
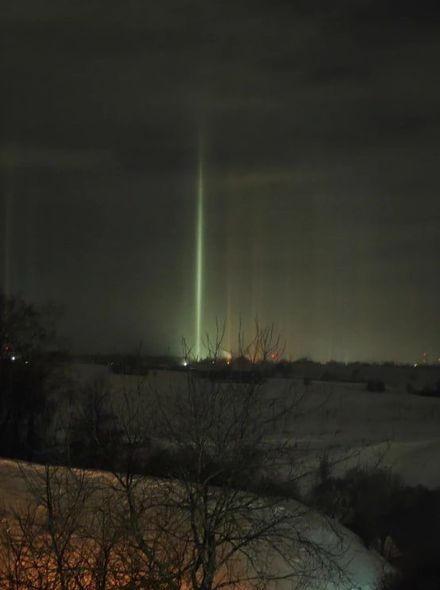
{"type": "Point", "coordinates": [13, 358]}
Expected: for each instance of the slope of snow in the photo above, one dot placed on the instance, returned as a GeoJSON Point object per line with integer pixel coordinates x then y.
{"type": "Point", "coordinates": [345, 563]}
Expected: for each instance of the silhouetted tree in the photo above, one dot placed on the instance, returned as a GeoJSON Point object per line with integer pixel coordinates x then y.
{"type": "Point", "coordinates": [24, 335]}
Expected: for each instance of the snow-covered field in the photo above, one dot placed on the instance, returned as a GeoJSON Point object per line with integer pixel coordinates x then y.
{"type": "Point", "coordinates": [395, 429]}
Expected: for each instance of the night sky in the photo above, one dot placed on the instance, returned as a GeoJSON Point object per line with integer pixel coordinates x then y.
{"type": "Point", "coordinates": [320, 123]}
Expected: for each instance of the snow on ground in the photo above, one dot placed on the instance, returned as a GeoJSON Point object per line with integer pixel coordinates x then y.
{"type": "Point", "coordinates": [350, 567]}
{"type": "Point", "coordinates": [394, 428]}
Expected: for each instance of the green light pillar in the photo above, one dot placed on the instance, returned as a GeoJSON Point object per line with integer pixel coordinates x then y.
{"type": "Point", "coordinates": [199, 256]}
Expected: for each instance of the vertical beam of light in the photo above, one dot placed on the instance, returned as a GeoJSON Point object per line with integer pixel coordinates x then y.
{"type": "Point", "coordinates": [199, 255]}
{"type": "Point", "coordinates": [8, 160]}
{"type": "Point", "coordinates": [7, 244]}
{"type": "Point", "coordinates": [229, 281]}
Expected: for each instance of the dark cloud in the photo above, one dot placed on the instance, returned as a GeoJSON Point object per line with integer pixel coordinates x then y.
{"type": "Point", "coordinates": [320, 123]}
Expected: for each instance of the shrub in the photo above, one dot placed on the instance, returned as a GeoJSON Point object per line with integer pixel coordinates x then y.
{"type": "Point", "coordinates": [375, 385]}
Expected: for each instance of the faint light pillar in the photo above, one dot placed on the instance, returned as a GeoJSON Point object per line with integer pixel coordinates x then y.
{"type": "Point", "coordinates": [7, 245]}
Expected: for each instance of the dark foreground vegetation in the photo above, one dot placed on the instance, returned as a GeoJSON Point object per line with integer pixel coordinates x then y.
{"type": "Point", "coordinates": [209, 434]}
{"type": "Point", "coordinates": [26, 378]}
{"type": "Point", "coordinates": [400, 522]}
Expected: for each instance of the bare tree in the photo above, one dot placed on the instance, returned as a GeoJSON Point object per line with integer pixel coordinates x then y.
{"type": "Point", "coordinates": [220, 437]}
{"type": "Point", "coordinates": [213, 344]}
{"type": "Point", "coordinates": [26, 377]}
{"type": "Point", "coordinates": [211, 521]}
{"type": "Point", "coordinates": [265, 345]}
{"type": "Point", "coordinates": [215, 518]}
{"type": "Point", "coordinates": [41, 541]}
{"type": "Point", "coordinates": [66, 535]}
